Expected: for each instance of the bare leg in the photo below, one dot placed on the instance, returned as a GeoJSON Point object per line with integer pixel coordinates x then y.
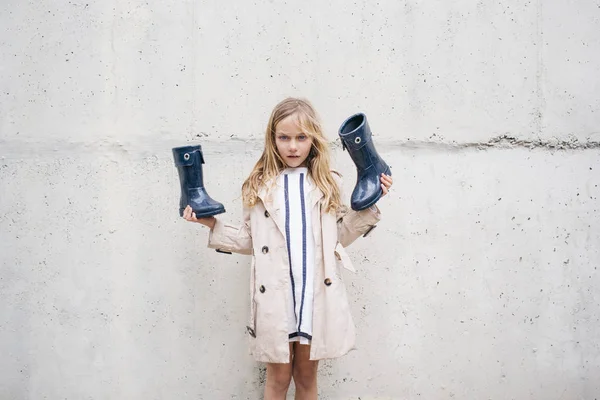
{"type": "Point", "coordinates": [279, 377]}
{"type": "Point", "coordinates": [304, 372]}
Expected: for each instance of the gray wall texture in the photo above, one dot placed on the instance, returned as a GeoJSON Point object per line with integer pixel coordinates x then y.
{"type": "Point", "coordinates": [481, 281]}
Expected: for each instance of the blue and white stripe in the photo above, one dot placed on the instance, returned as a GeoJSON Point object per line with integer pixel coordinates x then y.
{"type": "Point", "coordinates": [300, 247]}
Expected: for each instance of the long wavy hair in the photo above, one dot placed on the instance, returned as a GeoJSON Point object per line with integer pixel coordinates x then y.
{"type": "Point", "coordinates": [270, 163]}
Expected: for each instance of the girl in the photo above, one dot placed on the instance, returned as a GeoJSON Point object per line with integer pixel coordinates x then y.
{"type": "Point", "coordinates": [295, 228]}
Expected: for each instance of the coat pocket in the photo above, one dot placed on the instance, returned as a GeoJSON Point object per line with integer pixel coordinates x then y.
{"type": "Point", "coordinates": [341, 255]}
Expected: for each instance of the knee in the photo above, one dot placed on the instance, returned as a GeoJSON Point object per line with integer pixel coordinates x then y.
{"type": "Point", "coordinates": [305, 375]}
{"type": "Point", "coordinates": [278, 379]}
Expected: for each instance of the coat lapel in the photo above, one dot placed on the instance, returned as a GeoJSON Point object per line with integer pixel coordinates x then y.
{"type": "Point", "coordinates": [266, 194]}
{"type": "Point", "coordinates": [315, 195]}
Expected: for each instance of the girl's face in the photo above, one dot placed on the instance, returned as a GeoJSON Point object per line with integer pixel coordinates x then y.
{"type": "Point", "coordinates": [292, 144]}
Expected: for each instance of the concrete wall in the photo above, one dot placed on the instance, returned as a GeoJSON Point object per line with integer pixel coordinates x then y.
{"type": "Point", "coordinates": [481, 282]}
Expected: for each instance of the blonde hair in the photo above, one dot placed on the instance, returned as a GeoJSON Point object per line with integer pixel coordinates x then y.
{"type": "Point", "coordinates": [270, 163]}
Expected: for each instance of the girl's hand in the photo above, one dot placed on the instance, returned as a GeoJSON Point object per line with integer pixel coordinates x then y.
{"type": "Point", "coordinates": [386, 183]}
{"type": "Point", "coordinates": [190, 215]}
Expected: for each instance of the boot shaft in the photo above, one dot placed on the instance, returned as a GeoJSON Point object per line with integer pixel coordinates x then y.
{"type": "Point", "coordinates": [189, 160]}
{"type": "Point", "coordinates": [355, 134]}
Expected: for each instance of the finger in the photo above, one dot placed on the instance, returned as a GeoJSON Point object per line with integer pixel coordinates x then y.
{"type": "Point", "coordinates": [194, 216]}
{"type": "Point", "coordinates": [386, 182]}
{"type": "Point", "coordinates": [384, 189]}
{"type": "Point", "coordinates": [189, 215]}
{"type": "Point", "coordinates": [189, 212]}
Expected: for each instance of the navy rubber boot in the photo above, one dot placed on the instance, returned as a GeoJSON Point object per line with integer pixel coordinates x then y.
{"type": "Point", "coordinates": [356, 138]}
{"type": "Point", "coordinates": [189, 160]}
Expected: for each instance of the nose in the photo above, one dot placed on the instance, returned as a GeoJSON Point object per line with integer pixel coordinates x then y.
{"type": "Point", "coordinates": [293, 145]}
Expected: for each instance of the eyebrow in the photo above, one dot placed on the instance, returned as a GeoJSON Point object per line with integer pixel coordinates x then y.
{"type": "Point", "coordinates": [290, 134]}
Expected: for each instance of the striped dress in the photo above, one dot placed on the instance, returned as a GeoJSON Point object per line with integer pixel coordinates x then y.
{"type": "Point", "coordinates": [293, 196]}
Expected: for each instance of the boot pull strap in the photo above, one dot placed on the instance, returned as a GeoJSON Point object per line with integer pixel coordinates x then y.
{"type": "Point", "coordinates": [201, 157]}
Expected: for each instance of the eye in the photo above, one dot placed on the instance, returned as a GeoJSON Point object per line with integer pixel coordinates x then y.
{"type": "Point", "coordinates": [282, 137]}
{"type": "Point", "coordinates": [302, 137]}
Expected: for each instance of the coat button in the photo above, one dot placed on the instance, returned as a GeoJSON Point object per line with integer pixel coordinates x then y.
{"type": "Point", "coordinates": [266, 214]}
{"type": "Point", "coordinates": [327, 282]}
{"type": "Point", "coordinates": [262, 289]}
{"type": "Point", "coordinates": [265, 249]}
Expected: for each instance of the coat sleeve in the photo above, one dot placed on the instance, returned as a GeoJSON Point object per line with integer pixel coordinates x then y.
{"type": "Point", "coordinates": [353, 224]}
{"type": "Point", "coordinates": [227, 238]}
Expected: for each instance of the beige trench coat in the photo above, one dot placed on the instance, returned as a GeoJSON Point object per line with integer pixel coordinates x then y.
{"type": "Point", "coordinates": [262, 235]}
